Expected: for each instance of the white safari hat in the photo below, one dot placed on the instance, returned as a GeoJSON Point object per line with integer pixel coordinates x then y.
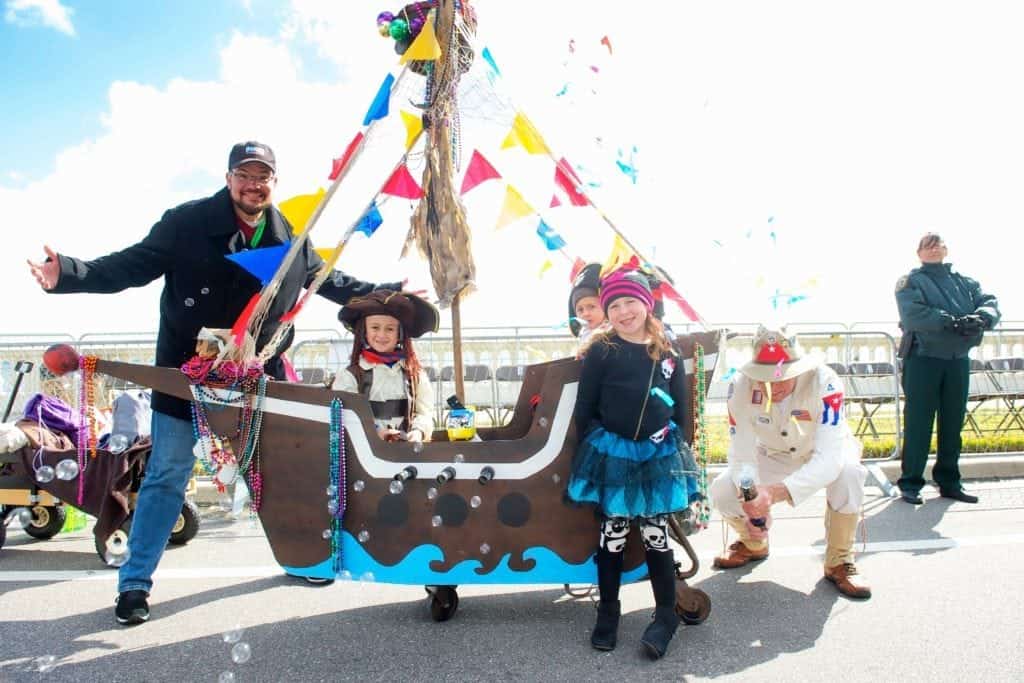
{"type": "Point", "coordinates": [777, 357]}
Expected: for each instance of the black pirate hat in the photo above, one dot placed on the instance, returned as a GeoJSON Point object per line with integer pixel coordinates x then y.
{"type": "Point", "coordinates": [586, 283]}
{"type": "Point", "coordinates": [416, 315]}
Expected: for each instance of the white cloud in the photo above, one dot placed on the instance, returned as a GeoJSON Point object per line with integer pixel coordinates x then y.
{"type": "Point", "coordinates": [49, 13]}
{"type": "Point", "coordinates": [853, 150]}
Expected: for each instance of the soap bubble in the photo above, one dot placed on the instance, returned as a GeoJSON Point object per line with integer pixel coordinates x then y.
{"type": "Point", "coordinates": [363, 536]}
{"type": "Point", "coordinates": [431, 493]}
{"type": "Point", "coordinates": [436, 520]}
{"type": "Point", "coordinates": [45, 474]}
{"type": "Point", "coordinates": [326, 533]}
{"type": "Point", "coordinates": [332, 490]}
{"type": "Point", "coordinates": [344, 575]}
{"type": "Point", "coordinates": [117, 443]}
{"type": "Point", "coordinates": [45, 663]}
{"type": "Point", "coordinates": [241, 653]}
{"type": "Point", "coordinates": [66, 470]}
{"type": "Point", "coordinates": [459, 457]}
{"type": "Point", "coordinates": [368, 577]}
{"type": "Point", "coordinates": [474, 501]}
{"type": "Point", "coordinates": [332, 507]}
{"type": "Point", "coordinates": [25, 517]}
{"type": "Point", "coordinates": [226, 677]}
{"type": "Point", "coordinates": [484, 548]}
{"type": "Point", "coordinates": [555, 478]}
{"type": "Point", "coordinates": [396, 487]}
{"type": "Point", "coordinates": [234, 635]}
{"type": "Point", "coordinates": [358, 485]}
{"type": "Point", "coordinates": [116, 557]}
{"type": "Point", "coordinates": [417, 447]}
{"type": "Point", "coordinates": [543, 422]}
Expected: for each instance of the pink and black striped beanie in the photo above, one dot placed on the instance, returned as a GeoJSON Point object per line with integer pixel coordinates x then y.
{"type": "Point", "coordinates": [626, 283]}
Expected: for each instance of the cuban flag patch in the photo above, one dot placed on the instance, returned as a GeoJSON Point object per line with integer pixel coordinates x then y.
{"type": "Point", "coordinates": [833, 408]}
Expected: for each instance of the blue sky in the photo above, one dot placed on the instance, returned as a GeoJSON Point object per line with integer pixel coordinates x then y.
{"type": "Point", "coordinates": [56, 85]}
{"type": "Point", "coordinates": [854, 129]}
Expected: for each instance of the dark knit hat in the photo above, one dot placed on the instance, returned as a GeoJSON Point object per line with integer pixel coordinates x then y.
{"type": "Point", "coordinates": [586, 283]}
{"type": "Point", "coordinates": [416, 315]}
{"type": "Point", "coordinates": [626, 283]}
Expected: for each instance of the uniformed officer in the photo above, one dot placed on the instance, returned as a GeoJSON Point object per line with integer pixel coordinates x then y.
{"type": "Point", "coordinates": [788, 433]}
{"type": "Point", "coordinates": [943, 315]}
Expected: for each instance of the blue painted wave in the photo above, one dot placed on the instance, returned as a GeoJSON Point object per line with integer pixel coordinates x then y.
{"type": "Point", "coordinates": [414, 569]}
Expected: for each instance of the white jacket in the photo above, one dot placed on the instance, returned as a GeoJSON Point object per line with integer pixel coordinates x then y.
{"type": "Point", "coordinates": [387, 384]}
{"type": "Point", "coordinates": [807, 430]}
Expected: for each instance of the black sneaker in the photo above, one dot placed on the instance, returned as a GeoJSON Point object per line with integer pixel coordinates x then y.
{"type": "Point", "coordinates": [132, 608]}
{"type": "Point", "coordinates": [958, 494]}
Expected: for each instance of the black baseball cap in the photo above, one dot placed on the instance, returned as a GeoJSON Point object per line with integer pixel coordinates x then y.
{"type": "Point", "coordinates": [251, 150]}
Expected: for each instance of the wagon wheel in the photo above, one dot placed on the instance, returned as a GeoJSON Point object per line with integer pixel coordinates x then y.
{"type": "Point", "coordinates": [575, 593]}
{"type": "Point", "coordinates": [47, 521]}
{"type": "Point", "coordinates": [187, 525]}
{"type": "Point", "coordinates": [444, 600]}
{"type": "Point", "coordinates": [692, 604]}
{"type": "Point", "coordinates": [113, 549]}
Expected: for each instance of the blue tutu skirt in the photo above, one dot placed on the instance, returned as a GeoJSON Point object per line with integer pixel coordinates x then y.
{"type": "Point", "coordinates": [627, 478]}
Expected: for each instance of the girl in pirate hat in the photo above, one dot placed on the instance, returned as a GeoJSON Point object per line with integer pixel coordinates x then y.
{"type": "Point", "coordinates": [630, 461]}
{"type": "Point", "coordinates": [384, 367]}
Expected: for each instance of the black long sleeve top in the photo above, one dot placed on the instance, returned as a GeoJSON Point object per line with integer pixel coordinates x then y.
{"type": "Point", "coordinates": [622, 389]}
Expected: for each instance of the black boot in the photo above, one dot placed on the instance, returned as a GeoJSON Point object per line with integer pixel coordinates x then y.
{"type": "Point", "coordinates": [659, 634]}
{"type": "Point", "coordinates": [609, 575]}
{"type": "Point", "coordinates": [606, 629]}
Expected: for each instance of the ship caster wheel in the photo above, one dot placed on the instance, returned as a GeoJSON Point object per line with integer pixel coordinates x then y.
{"type": "Point", "coordinates": [692, 605]}
{"type": "Point", "coordinates": [444, 601]}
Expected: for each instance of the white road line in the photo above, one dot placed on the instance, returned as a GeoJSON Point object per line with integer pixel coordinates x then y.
{"type": "Point", "coordinates": [109, 575]}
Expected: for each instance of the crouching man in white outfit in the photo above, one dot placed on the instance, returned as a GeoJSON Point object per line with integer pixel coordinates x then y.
{"type": "Point", "coordinates": [788, 434]}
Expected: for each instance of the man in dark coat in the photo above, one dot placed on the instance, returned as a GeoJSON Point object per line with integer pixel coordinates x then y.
{"type": "Point", "coordinates": [943, 315]}
{"type": "Point", "coordinates": [202, 288]}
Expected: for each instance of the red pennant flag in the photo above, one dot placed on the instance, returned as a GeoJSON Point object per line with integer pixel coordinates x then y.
{"type": "Point", "coordinates": [338, 165]}
{"type": "Point", "coordinates": [567, 180]}
{"type": "Point", "coordinates": [478, 171]}
{"type": "Point", "coordinates": [242, 323]}
{"type": "Point", "coordinates": [577, 266]}
{"type": "Point", "coordinates": [670, 293]}
{"type": "Point", "coordinates": [555, 201]}
{"type": "Point", "coordinates": [290, 315]}
{"type": "Point", "coordinates": [402, 184]}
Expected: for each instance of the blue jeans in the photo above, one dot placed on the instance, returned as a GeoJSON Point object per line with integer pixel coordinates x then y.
{"type": "Point", "coordinates": [160, 499]}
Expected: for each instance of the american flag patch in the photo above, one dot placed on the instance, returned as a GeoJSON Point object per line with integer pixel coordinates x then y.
{"type": "Point", "coordinates": [802, 415]}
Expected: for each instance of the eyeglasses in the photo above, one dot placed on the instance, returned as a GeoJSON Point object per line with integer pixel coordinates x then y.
{"type": "Point", "coordinates": [247, 178]}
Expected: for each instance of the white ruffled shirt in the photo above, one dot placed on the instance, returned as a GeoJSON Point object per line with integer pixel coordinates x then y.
{"type": "Point", "coordinates": [388, 384]}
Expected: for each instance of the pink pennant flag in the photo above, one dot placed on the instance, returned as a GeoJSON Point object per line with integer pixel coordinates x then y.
{"type": "Point", "coordinates": [338, 165]}
{"type": "Point", "coordinates": [566, 179]}
{"type": "Point", "coordinates": [670, 293]}
{"type": "Point", "coordinates": [478, 171]}
{"type": "Point", "coordinates": [555, 201]}
{"type": "Point", "coordinates": [402, 184]}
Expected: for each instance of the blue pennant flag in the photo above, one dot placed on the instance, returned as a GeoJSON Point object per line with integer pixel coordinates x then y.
{"type": "Point", "coordinates": [261, 263]}
{"type": "Point", "coordinates": [379, 108]}
{"type": "Point", "coordinates": [552, 240]}
{"type": "Point", "coordinates": [370, 221]}
{"type": "Point", "coordinates": [486, 54]}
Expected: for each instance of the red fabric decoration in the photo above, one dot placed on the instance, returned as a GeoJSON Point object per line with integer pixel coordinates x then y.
{"type": "Point", "coordinates": [242, 324]}
{"type": "Point", "coordinates": [478, 171]}
{"type": "Point", "coordinates": [338, 165]}
{"type": "Point", "coordinates": [772, 353]}
{"type": "Point", "coordinates": [290, 315]}
{"type": "Point", "coordinates": [577, 266]}
{"type": "Point", "coordinates": [666, 290]}
{"type": "Point", "coordinates": [402, 184]}
{"type": "Point", "coordinates": [566, 179]}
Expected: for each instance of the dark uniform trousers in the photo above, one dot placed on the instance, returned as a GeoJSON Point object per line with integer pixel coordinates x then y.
{"type": "Point", "coordinates": [934, 387]}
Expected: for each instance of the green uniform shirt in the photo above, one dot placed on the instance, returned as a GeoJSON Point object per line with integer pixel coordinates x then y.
{"type": "Point", "coordinates": [930, 299]}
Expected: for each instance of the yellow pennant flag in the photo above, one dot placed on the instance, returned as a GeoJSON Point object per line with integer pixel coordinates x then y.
{"type": "Point", "coordinates": [425, 47]}
{"type": "Point", "coordinates": [544, 267]}
{"type": "Point", "coordinates": [324, 252]}
{"type": "Point", "coordinates": [515, 207]}
{"type": "Point", "coordinates": [299, 208]}
{"type": "Point", "coordinates": [413, 127]}
{"type": "Point", "coordinates": [526, 136]}
{"type": "Point", "coordinates": [621, 253]}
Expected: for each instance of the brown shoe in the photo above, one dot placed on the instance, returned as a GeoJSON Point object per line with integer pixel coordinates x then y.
{"type": "Point", "coordinates": [739, 555]}
{"type": "Point", "coordinates": [844, 576]}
